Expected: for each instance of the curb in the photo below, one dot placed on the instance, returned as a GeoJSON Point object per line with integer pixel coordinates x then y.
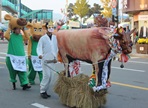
{"type": "Point", "coordinates": [139, 55]}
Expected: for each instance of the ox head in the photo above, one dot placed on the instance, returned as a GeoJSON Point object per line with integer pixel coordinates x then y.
{"type": "Point", "coordinates": [124, 40]}
{"type": "Point", "coordinates": [35, 30]}
{"type": "Point", "coordinates": [15, 22]}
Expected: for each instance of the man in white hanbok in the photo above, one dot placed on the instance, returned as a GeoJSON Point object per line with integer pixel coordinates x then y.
{"type": "Point", "coordinates": [47, 50]}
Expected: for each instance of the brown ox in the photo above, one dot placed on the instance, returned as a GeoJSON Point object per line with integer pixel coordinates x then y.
{"type": "Point", "coordinates": [90, 45]}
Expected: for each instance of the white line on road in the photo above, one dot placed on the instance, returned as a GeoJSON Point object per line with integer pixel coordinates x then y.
{"type": "Point", "coordinates": [2, 57]}
{"type": "Point", "coordinates": [128, 69]}
{"type": "Point", "coordinates": [39, 105]}
{"type": "Point", "coordinates": [135, 70]}
{"type": "Point", "coordinates": [3, 53]}
{"type": "Point", "coordinates": [138, 62]}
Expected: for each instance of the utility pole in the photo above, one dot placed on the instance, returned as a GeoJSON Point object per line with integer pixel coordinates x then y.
{"type": "Point", "coordinates": [19, 8]}
{"type": "Point", "coordinates": [0, 10]}
{"type": "Point", "coordinates": [117, 8]}
{"type": "Point", "coordinates": [66, 7]}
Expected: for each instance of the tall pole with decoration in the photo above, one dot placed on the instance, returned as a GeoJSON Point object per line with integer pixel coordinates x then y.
{"type": "Point", "coordinates": [117, 12]}
{"type": "Point", "coordinates": [19, 8]}
{"type": "Point", "coordinates": [66, 7]}
{"type": "Point", "coordinates": [115, 8]}
{"type": "Point", "coordinates": [0, 10]}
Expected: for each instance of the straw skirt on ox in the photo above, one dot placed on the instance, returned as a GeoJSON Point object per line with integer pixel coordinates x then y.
{"type": "Point", "coordinates": [75, 92]}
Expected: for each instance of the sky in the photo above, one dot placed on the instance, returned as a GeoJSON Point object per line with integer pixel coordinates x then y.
{"type": "Point", "coordinates": [55, 5]}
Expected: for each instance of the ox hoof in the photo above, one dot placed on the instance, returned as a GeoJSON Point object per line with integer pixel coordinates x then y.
{"type": "Point", "coordinates": [95, 89]}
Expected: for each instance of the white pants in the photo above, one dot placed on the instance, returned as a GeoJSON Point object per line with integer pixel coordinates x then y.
{"type": "Point", "coordinates": [47, 77]}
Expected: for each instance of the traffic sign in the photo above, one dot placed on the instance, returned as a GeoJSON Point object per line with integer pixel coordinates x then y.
{"type": "Point", "coordinates": [114, 3]}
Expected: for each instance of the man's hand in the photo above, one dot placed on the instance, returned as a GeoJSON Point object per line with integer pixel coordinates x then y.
{"type": "Point", "coordinates": [54, 61]}
{"type": "Point", "coordinates": [40, 57]}
{"type": "Point", "coordinates": [51, 61]}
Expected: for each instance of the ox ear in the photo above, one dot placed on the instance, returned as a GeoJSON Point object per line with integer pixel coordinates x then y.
{"type": "Point", "coordinates": [132, 31]}
{"type": "Point", "coordinates": [8, 17]}
{"type": "Point", "coordinates": [29, 25]}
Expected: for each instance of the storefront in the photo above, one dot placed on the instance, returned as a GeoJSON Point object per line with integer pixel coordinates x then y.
{"type": "Point", "coordinates": [138, 10]}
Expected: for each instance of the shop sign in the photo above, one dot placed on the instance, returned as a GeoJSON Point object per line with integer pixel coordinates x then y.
{"type": "Point", "coordinates": [74, 24]}
{"type": "Point", "coordinates": [143, 17]}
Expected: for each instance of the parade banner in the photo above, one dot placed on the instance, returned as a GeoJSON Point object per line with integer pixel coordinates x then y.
{"type": "Point", "coordinates": [36, 62]}
{"type": "Point", "coordinates": [18, 63]}
{"type": "Point", "coordinates": [74, 24]}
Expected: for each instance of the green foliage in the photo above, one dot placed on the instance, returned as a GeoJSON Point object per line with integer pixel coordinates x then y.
{"type": "Point", "coordinates": [95, 9]}
{"type": "Point", "coordinates": [107, 12]}
{"type": "Point", "coordinates": [81, 8]}
{"type": "Point", "coordinates": [70, 11]}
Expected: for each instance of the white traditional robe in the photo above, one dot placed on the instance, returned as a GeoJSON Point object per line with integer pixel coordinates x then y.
{"type": "Point", "coordinates": [48, 48]}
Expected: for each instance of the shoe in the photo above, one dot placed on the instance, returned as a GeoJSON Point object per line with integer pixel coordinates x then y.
{"type": "Point", "coordinates": [44, 95]}
{"type": "Point", "coordinates": [48, 95]}
{"type": "Point", "coordinates": [14, 86]}
{"type": "Point", "coordinates": [95, 89]}
{"type": "Point", "coordinates": [26, 86]}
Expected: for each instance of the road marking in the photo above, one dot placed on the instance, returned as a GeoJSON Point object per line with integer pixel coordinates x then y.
{"type": "Point", "coordinates": [2, 63]}
{"type": "Point", "coordinates": [39, 105]}
{"type": "Point", "coordinates": [134, 57]}
{"type": "Point", "coordinates": [135, 70]}
{"type": "Point", "coordinates": [3, 53]}
{"type": "Point", "coordinates": [3, 57]}
{"type": "Point", "coordinates": [131, 86]}
{"type": "Point", "coordinates": [128, 69]}
{"type": "Point", "coordinates": [138, 62]}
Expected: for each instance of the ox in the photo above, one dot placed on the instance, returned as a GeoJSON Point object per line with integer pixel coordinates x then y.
{"type": "Point", "coordinates": [90, 45]}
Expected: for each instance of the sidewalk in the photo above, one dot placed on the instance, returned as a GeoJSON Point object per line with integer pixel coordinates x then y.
{"type": "Point", "coordinates": [133, 54]}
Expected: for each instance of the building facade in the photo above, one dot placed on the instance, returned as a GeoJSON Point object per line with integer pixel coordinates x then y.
{"type": "Point", "coordinates": [138, 10]}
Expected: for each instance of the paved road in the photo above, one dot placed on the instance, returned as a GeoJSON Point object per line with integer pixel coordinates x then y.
{"type": "Point", "coordinates": [129, 87]}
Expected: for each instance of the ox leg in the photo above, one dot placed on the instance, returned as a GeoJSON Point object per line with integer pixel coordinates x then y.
{"type": "Point", "coordinates": [109, 72]}
{"type": "Point", "coordinates": [66, 69]}
{"type": "Point", "coordinates": [70, 59]}
{"type": "Point", "coordinates": [109, 69]}
{"type": "Point", "coordinates": [96, 72]}
{"type": "Point", "coordinates": [100, 66]}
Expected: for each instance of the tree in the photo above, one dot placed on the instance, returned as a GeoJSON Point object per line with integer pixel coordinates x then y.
{"type": "Point", "coordinates": [70, 12]}
{"type": "Point", "coordinates": [96, 9]}
{"type": "Point", "coordinates": [81, 8]}
{"type": "Point", "coordinates": [107, 12]}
